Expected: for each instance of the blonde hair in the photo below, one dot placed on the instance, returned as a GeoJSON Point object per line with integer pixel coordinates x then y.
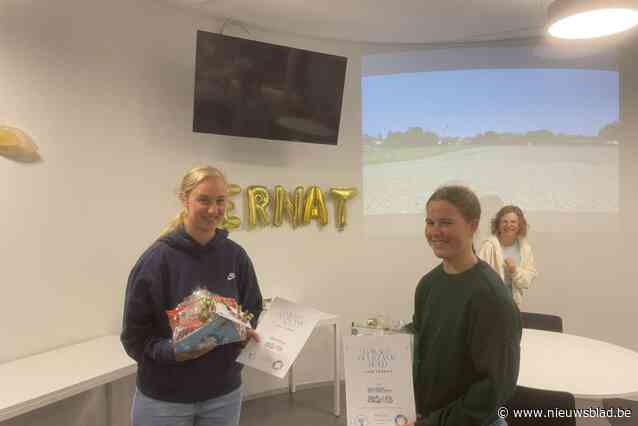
{"type": "Point", "coordinates": [522, 222]}
{"type": "Point", "coordinates": [191, 179]}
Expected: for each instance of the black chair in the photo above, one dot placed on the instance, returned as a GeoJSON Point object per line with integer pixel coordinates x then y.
{"type": "Point", "coordinates": [542, 321]}
{"type": "Point", "coordinates": [624, 404]}
{"type": "Point", "coordinates": [536, 399]}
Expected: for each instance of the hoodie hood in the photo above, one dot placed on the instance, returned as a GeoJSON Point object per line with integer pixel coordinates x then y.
{"type": "Point", "coordinates": [181, 240]}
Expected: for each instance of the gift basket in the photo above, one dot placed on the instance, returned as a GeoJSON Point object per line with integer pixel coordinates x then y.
{"type": "Point", "coordinates": [380, 325]}
{"type": "Point", "coordinates": [204, 318]}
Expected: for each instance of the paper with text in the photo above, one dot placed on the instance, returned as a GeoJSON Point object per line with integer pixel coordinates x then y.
{"type": "Point", "coordinates": [378, 373]}
{"type": "Point", "coordinates": [284, 330]}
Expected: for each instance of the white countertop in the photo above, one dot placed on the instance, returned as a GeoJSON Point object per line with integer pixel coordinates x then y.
{"type": "Point", "coordinates": [38, 380]}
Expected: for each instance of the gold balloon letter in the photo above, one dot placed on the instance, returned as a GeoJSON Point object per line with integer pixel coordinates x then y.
{"type": "Point", "coordinates": [315, 207]}
{"type": "Point", "coordinates": [258, 199]}
{"type": "Point", "coordinates": [341, 195]}
{"type": "Point", "coordinates": [17, 145]}
{"type": "Point", "coordinates": [231, 222]}
{"type": "Point", "coordinates": [283, 203]}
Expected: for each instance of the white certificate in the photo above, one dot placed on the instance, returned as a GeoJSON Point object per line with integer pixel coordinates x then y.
{"type": "Point", "coordinates": [378, 371]}
{"type": "Point", "coordinates": [284, 329]}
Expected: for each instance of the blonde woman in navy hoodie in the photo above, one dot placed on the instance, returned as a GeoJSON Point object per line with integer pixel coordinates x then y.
{"type": "Point", "coordinates": [201, 388]}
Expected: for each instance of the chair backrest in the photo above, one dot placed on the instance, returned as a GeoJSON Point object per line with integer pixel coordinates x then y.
{"type": "Point", "coordinates": [535, 399]}
{"type": "Point", "coordinates": [542, 321]}
{"type": "Point", "coordinates": [628, 407]}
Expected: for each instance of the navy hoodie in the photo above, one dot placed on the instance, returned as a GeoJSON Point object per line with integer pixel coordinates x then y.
{"type": "Point", "coordinates": [166, 273]}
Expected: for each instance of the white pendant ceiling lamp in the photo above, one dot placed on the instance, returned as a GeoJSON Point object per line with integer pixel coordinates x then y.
{"type": "Point", "coordinates": [581, 19]}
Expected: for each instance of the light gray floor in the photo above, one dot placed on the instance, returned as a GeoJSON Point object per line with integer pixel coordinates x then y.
{"type": "Point", "coordinates": [309, 407]}
{"type": "Point", "coordinates": [313, 407]}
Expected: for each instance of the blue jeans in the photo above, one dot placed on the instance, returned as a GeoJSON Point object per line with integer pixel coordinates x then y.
{"type": "Point", "coordinates": [220, 411]}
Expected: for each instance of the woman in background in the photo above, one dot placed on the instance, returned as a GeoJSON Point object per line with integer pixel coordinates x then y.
{"type": "Point", "coordinates": [509, 253]}
{"type": "Point", "coordinates": [203, 387]}
{"type": "Point", "coordinates": [467, 329]}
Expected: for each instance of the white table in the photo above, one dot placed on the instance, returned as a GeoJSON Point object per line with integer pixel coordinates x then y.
{"type": "Point", "coordinates": [33, 382]}
{"type": "Point", "coordinates": [327, 320]}
{"type": "Point", "coordinates": [584, 367]}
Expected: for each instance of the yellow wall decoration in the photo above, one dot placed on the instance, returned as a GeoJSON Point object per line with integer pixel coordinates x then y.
{"type": "Point", "coordinates": [265, 208]}
{"type": "Point", "coordinates": [17, 145]}
{"type": "Point", "coordinates": [315, 206]}
{"type": "Point", "coordinates": [292, 207]}
{"type": "Point", "coordinates": [231, 222]}
{"type": "Point", "coordinates": [258, 200]}
{"type": "Point", "coordinates": [341, 195]}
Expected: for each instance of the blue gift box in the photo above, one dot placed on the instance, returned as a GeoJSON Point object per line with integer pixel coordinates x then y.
{"type": "Point", "coordinates": [220, 329]}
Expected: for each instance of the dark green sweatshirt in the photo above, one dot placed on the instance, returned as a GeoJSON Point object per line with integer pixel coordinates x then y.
{"type": "Point", "coordinates": [466, 346]}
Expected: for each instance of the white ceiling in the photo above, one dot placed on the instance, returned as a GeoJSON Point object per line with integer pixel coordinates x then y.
{"type": "Point", "coordinates": [386, 21]}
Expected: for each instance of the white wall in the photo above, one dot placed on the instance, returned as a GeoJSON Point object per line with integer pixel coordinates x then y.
{"type": "Point", "coordinates": [106, 92]}
{"type": "Point", "coordinates": [105, 89]}
{"type": "Point", "coordinates": [589, 277]}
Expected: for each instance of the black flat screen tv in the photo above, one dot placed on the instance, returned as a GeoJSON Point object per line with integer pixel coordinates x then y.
{"type": "Point", "coordinates": [260, 90]}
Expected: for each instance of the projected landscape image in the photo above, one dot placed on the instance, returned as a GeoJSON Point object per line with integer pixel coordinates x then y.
{"type": "Point", "coordinates": [545, 139]}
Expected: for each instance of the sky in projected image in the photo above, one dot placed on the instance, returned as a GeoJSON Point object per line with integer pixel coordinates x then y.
{"type": "Point", "coordinates": [539, 138]}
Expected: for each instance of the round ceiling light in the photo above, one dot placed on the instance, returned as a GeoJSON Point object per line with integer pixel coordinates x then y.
{"type": "Point", "coordinates": [581, 19]}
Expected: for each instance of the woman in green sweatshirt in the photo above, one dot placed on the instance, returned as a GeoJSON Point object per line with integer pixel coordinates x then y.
{"type": "Point", "coordinates": [467, 328]}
